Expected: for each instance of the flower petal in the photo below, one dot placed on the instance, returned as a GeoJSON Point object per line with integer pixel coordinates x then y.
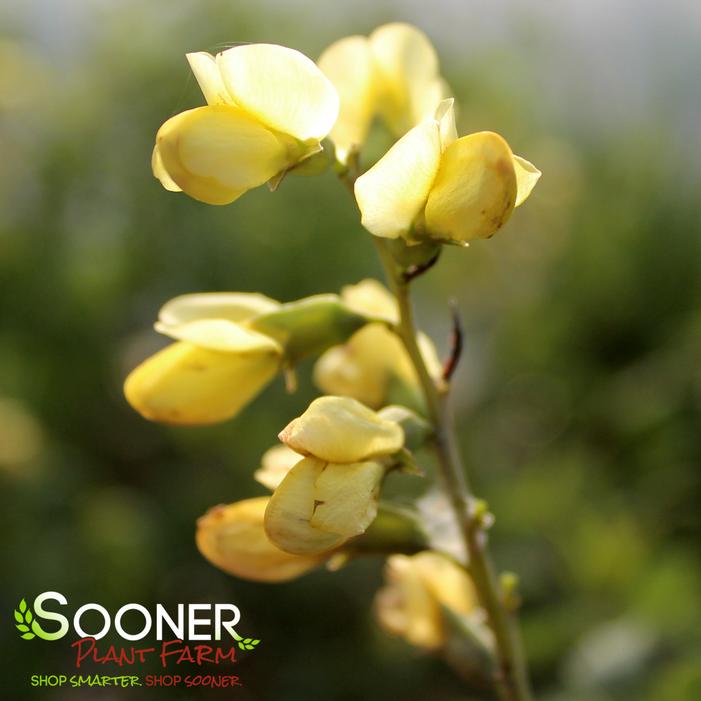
{"type": "Point", "coordinates": [232, 538]}
{"type": "Point", "coordinates": [475, 189]}
{"type": "Point", "coordinates": [348, 64]}
{"type": "Point", "coordinates": [394, 191]}
{"type": "Point", "coordinates": [290, 510]}
{"type": "Point", "coordinates": [204, 66]}
{"type": "Point", "coordinates": [407, 62]}
{"type": "Point", "coordinates": [341, 429]}
{"type": "Point", "coordinates": [372, 298]}
{"type": "Point", "coordinates": [527, 175]}
{"type": "Point", "coordinates": [445, 116]}
{"type": "Point", "coordinates": [234, 306]}
{"type": "Point", "coordinates": [346, 497]}
{"type": "Point", "coordinates": [275, 464]}
{"type": "Point", "coordinates": [161, 173]}
{"type": "Point", "coordinates": [217, 153]}
{"type": "Point", "coordinates": [221, 335]}
{"type": "Point", "coordinates": [189, 385]}
{"type": "Point", "coordinates": [282, 88]}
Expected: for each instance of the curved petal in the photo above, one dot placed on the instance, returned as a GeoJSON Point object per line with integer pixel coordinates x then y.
{"type": "Point", "coordinates": [345, 497]}
{"type": "Point", "coordinates": [275, 464]}
{"type": "Point", "coordinates": [445, 116]}
{"type": "Point", "coordinates": [475, 189]}
{"type": "Point", "coordinates": [282, 88]}
{"type": "Point", "coordinates": [234, 306]}
{"type": "Point", "coordinates": [232, 538]}
{"type": "Point", "coordinates": [527, 175]}
{"type": "Point", "coordinates": [206, 72]}
{"type": "Point", "coordinates": [290, 511]}
{"type": "Point", "coordinates": [408, 64]}
{"type": "Point", "coordinates": [221, 335]}
{"type": "Point", "coordinates": [161, 173]}
{"type": "Point", "coordinates": [217, 153]}
{"type": "Point", "coordinates": [372, 298]}
{"type": "Point", "coordinates": [394, 191]}
{"type": "Point", "coordinates": [348, 64]}
{"type": "Point", "coordinates": [189, 385]}
{"type": "Point", "coordinates": [341, 429]}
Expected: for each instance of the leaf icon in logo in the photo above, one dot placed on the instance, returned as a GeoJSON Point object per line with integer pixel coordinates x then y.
{"type": "Point", "coordinates": [24, 618]}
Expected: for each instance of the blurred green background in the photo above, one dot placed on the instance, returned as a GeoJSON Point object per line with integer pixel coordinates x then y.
{"type": "Point", "coordinates": [578, 397]}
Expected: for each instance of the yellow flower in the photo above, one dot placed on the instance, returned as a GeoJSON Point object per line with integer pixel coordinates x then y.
{"type": "Point", "coordinates": [373, 366]}
{"type": "Point", "coordinates": [331, 495]}
{"type": "Point", "coordinates": [418, 588]}
{"type": "Point", "coordinates": [268, 108]}
{"type": "Point", "coordinates": [394, 73]}
{"type": "Point", "coordinates": [433, 186]}
{"type": "Point", "coordinates": [215, 367]}
{"type": "Point", "coordinates": [232, 538]}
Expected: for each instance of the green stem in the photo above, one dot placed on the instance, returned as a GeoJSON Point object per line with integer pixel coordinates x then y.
{"type": "Point", "coordinates": [510, 677]}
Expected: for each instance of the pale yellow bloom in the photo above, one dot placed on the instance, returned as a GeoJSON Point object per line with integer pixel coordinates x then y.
{"type": "Point", "coordinates": [318, 506]}
{"type": "Point", "coordinates": [232, 538]}
{"type": "Point", "coordinates": [275, 464]}
{"type": "Point", "coordinates": [418, 586]}
{"type": "Point", "coordinates": [393, 73]}
{"type": "Point", "coordinates": [342, 430]}
{"type": "Point", "coordinates": [216, 366]}
{"type": "Point", "coordinates": [432, 186]}
{"type": "Point", "coordinates": [373, 365]}
{"type": "Point", "coordinates": [331, 495]}
{"type": "Point", "coordinates": [268, 108]}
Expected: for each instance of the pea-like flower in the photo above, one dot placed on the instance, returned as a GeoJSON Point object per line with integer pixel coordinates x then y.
{"type": "Point", "coordinates": [433, 186]}
{"type": "Point", "coordinates": [331, 495]}
{"type": "Point", "coordinates": [232, 538]}
{"type": "Point", "coordinates": [216, 365]}
{"type": "Point", "coordinates": [268, 108]}
{"type": "Point", "coordinates": [393, 73]}
{"type": "Point", "coordinates": [419, 587]}
{"type": "Point", "coordinates": [373, 365]}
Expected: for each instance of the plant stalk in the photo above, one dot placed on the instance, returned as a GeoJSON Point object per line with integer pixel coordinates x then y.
{"type": "Point", "coordinates": [510, 675]}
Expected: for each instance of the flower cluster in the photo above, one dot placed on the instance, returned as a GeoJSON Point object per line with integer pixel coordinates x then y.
{"type": "Point", "coordinates": [271, 111]}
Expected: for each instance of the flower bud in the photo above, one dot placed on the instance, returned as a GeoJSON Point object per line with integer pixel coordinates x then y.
{"type": "Point", "coordinates": [342, 430]}
{"type": "Point", "coordinates": [232, 538]}
{"type": "Point", "coordinates": [268, 108]}
{"type": "Point", "coordinates": [432, 186]}
{"type": "Point", "coordinates": [419, 588]}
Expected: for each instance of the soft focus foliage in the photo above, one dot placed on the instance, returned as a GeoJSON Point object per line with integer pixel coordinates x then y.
{"type": "Point", "coordinates": [579, 392]}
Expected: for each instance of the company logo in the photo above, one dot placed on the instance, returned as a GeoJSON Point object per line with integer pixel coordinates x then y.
{"type": "Point", "coordinates": [205, 622]}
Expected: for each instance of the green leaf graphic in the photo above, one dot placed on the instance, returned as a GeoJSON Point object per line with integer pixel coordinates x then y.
{"type": "Point", "coordinates": [23, 606]}
{"type": "Point", "coordinates": [28, 616]}
{"type": "Point", "coordinates": [28, 636]}
{"type": "Point", "coordinates": [18, 616]}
